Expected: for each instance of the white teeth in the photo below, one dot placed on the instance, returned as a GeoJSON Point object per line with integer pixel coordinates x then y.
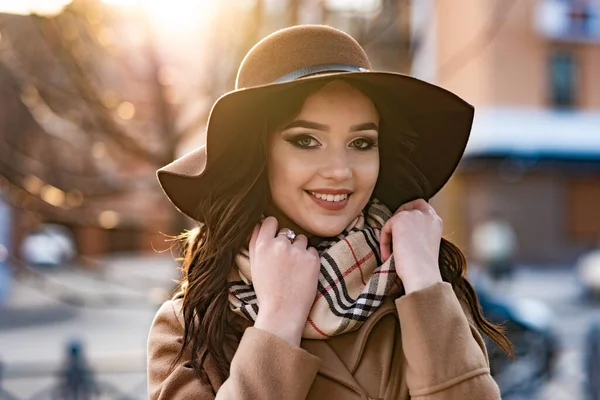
{"type": "Point", "coordinates": [330, 197]}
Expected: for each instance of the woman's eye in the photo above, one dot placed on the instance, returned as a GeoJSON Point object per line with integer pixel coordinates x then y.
{"type": "Point", "coordinates": [304, 141]}
{"type": "Point", "coordinates": [363, 144]}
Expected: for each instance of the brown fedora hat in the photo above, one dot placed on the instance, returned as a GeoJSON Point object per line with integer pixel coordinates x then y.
{"type": "Point", "coordinates": [306, 53]}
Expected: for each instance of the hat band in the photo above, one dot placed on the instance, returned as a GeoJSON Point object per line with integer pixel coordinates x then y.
{"type": "Point", "coordinates": [315, 69]}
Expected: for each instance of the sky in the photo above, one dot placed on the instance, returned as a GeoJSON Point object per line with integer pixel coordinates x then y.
{"type": "Point", "coordinates": [54, 6]}
{"type": "Point", "coordinates": [167, 15]}
{"type": "Point", "coordinates": [38, 6]}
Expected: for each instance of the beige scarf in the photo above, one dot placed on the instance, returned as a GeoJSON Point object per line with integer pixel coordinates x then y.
{"type": "Point", "coordinates": [352, 281]}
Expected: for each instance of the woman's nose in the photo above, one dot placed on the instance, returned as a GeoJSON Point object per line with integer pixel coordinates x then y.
{"type": "Point", "coordinates": [337, 166]}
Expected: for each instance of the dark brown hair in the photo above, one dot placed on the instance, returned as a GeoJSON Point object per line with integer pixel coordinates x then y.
{"type": "Point", "coordinates": [235, 205]}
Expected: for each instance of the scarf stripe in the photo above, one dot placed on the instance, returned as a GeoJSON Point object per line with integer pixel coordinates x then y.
{"type": "Point", "coordinates": [352, 279]}
{"type": "Point", "coordinates": [336, 283]}
{"type": "Point", "coordinates": [373, 242]}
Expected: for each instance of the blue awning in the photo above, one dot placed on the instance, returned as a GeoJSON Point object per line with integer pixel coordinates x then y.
{"type": "Point", "coordinates": [526, 132]}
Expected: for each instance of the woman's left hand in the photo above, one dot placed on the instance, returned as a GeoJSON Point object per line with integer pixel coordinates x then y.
{"type": "Point", "coordinates": [415, 232]}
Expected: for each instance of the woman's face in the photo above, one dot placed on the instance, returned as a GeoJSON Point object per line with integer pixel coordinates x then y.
{"type": "Point", "coordinates": [323, 165]}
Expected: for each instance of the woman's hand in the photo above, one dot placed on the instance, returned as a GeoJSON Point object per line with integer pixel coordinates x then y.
{"type": "Point", "coordinates": [415, 232]}
{"type": "Point", "coordinates": [285, 277]}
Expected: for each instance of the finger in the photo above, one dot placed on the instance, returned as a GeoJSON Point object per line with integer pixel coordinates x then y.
{"type": "Point", "coordinates": [405, 207]}
{"type": "Point", "coordinates": [432, 210]}
{"type": "Point", "coordinates": [418, 204]}
{"type": "Point", "coordinates": [253, 238]}
{"type": "Point", "coordinates": [313, 251]}
{"type": "Point", "coordinates": [385, 241]}
{"type": "Point", "coordinates": [268, 230]}
{"type": "Point", "coordinates": [300, 241]}
{"type": "Point", "coordinates": [282, 236]}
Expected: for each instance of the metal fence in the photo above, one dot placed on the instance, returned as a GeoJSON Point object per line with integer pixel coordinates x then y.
{"type": "Point", "coordinates": [75, 379]}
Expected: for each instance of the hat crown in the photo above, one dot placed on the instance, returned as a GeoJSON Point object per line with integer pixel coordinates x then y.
{"type": "Point", "coordinates": [295, 48]}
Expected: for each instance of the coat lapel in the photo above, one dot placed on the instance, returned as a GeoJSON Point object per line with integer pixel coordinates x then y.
{"type": "Point", "coordinates": [340, 355]}
{"type": "Point", "coordinates": [331, 365]}
{"type": "Point", "coordinates": [350, 347]}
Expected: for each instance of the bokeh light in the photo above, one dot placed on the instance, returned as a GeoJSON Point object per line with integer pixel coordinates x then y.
{"type": "Point", "coordinates": [126, 110]}
{"type": "Point", "coordinates": [108, 219]}
{"type": "Point", "coordinates": [53, 195]}
{"type": "Point", "coordinates": [33, 184]}
{"type": "Point", "coordinates": [173, 15]}
{"type": "Point", "coordinates": [29, 6]}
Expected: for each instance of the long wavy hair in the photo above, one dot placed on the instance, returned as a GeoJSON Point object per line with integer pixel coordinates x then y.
{"type": "Point", "coordinates": [235, 204]}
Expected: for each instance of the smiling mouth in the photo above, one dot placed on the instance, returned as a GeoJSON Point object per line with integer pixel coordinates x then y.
{"type": "Point", "coordinates": [331, 198]}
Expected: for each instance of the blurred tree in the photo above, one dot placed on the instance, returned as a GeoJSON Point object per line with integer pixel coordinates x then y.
{"type": "Point", "coordinates": [90, 109]}
{"type": "Point", "coordinates": [96, 111]}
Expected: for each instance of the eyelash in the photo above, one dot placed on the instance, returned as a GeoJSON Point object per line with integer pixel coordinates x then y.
{"type": "Point", "coordinates": [296, 139]}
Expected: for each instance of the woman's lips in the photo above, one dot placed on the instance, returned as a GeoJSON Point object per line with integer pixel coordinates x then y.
{"type": "Point", "coordinates": [329, 205]}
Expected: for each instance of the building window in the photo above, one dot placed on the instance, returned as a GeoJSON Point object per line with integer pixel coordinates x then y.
{"type": "Point", "coordinates": [563, 79]}
{"type": "Point", "coordinates": [582, 18]}
{"type": "Point", "coordinates": [569, 20]}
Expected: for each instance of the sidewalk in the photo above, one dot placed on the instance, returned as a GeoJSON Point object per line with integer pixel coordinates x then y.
{"type": "Point", "coordinates": [110, 311]}
{"type": "Point", "coordinates": [118, 280]}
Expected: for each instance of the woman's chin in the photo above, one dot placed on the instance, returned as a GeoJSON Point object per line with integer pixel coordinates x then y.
{"type": "Point", "coordinates": [327, 231]}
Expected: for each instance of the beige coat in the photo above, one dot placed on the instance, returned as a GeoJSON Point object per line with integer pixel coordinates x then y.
{"type": "Point", "coordinates": [419, 346]}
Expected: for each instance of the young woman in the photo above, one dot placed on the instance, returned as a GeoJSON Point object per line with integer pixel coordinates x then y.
{"type": "Point", "coordinates": [318, 270]}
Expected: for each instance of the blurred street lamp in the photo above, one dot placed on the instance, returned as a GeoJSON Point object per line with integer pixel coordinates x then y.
{"type": "Point", "coordinates": [108, 219]}
{"type": "Point", "coordinates": [33, 184]}
{"type": "Point", "coordinates": [126, 110]}
{"type": "Point", "coordinates": [53, 195]}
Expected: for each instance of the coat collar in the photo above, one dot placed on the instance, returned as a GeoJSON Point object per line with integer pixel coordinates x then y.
{"type": "Point", "coordinates": [341, 365]}
{"type": "Point", "coordinates": [357, 340]}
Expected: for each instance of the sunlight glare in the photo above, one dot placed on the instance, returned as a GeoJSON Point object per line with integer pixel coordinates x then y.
{"type": "Point", "coordinates": [44, 7]}
{"type": "Point", "coordinates": [172, 15]}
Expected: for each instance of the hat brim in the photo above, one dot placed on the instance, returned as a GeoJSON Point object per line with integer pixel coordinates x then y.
{"type": "Point", "coordinates": [441, 119]}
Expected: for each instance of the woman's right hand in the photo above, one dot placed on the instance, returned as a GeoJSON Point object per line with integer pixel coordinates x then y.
{"type": "Point", "coordinates": [285, 277]}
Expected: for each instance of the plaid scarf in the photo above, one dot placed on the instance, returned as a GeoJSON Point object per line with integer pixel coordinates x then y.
{"type": "Point", "coordinates": [352, 280]}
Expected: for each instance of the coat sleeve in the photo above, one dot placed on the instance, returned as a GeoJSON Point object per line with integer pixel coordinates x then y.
{"type": "Point", "coordinates": [446, 356]}
{"type": "Point", "coordinates": [264, 366]}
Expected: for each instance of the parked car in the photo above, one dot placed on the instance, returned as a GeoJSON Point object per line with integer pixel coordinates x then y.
{"type": "Point", "coordinates": [588, 272]}
{"type": "Point", "coordinates": [49, 245]}
{"type": "Point", "coordinates": [529, 327]}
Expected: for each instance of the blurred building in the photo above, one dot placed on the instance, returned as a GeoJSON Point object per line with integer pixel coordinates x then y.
{"type": "Point", "coordinates": [532, 70]}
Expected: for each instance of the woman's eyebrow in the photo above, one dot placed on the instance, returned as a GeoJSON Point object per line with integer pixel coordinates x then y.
{"type": "Point", "coordinates": [369, 126]}
{"type": "Point", "coordinates": [300, 123]}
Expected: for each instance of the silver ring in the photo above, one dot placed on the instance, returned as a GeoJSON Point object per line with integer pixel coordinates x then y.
{"type": "Point", "coordinates": [289, 234]}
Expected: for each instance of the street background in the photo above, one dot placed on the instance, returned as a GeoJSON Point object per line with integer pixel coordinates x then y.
{"type": "Point", "coordinates": [95, 95]}
{"type": "Point", "coordinates": [35, 328]}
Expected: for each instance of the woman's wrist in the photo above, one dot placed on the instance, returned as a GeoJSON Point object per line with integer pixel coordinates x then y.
{"type": "Point", "coordinates": [281, 327]}
{"type": "Point", "coordinates": [420, 282]}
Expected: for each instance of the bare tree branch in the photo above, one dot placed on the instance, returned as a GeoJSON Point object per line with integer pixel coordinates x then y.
{"type": "Point", "coordinates": [91, 100]}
